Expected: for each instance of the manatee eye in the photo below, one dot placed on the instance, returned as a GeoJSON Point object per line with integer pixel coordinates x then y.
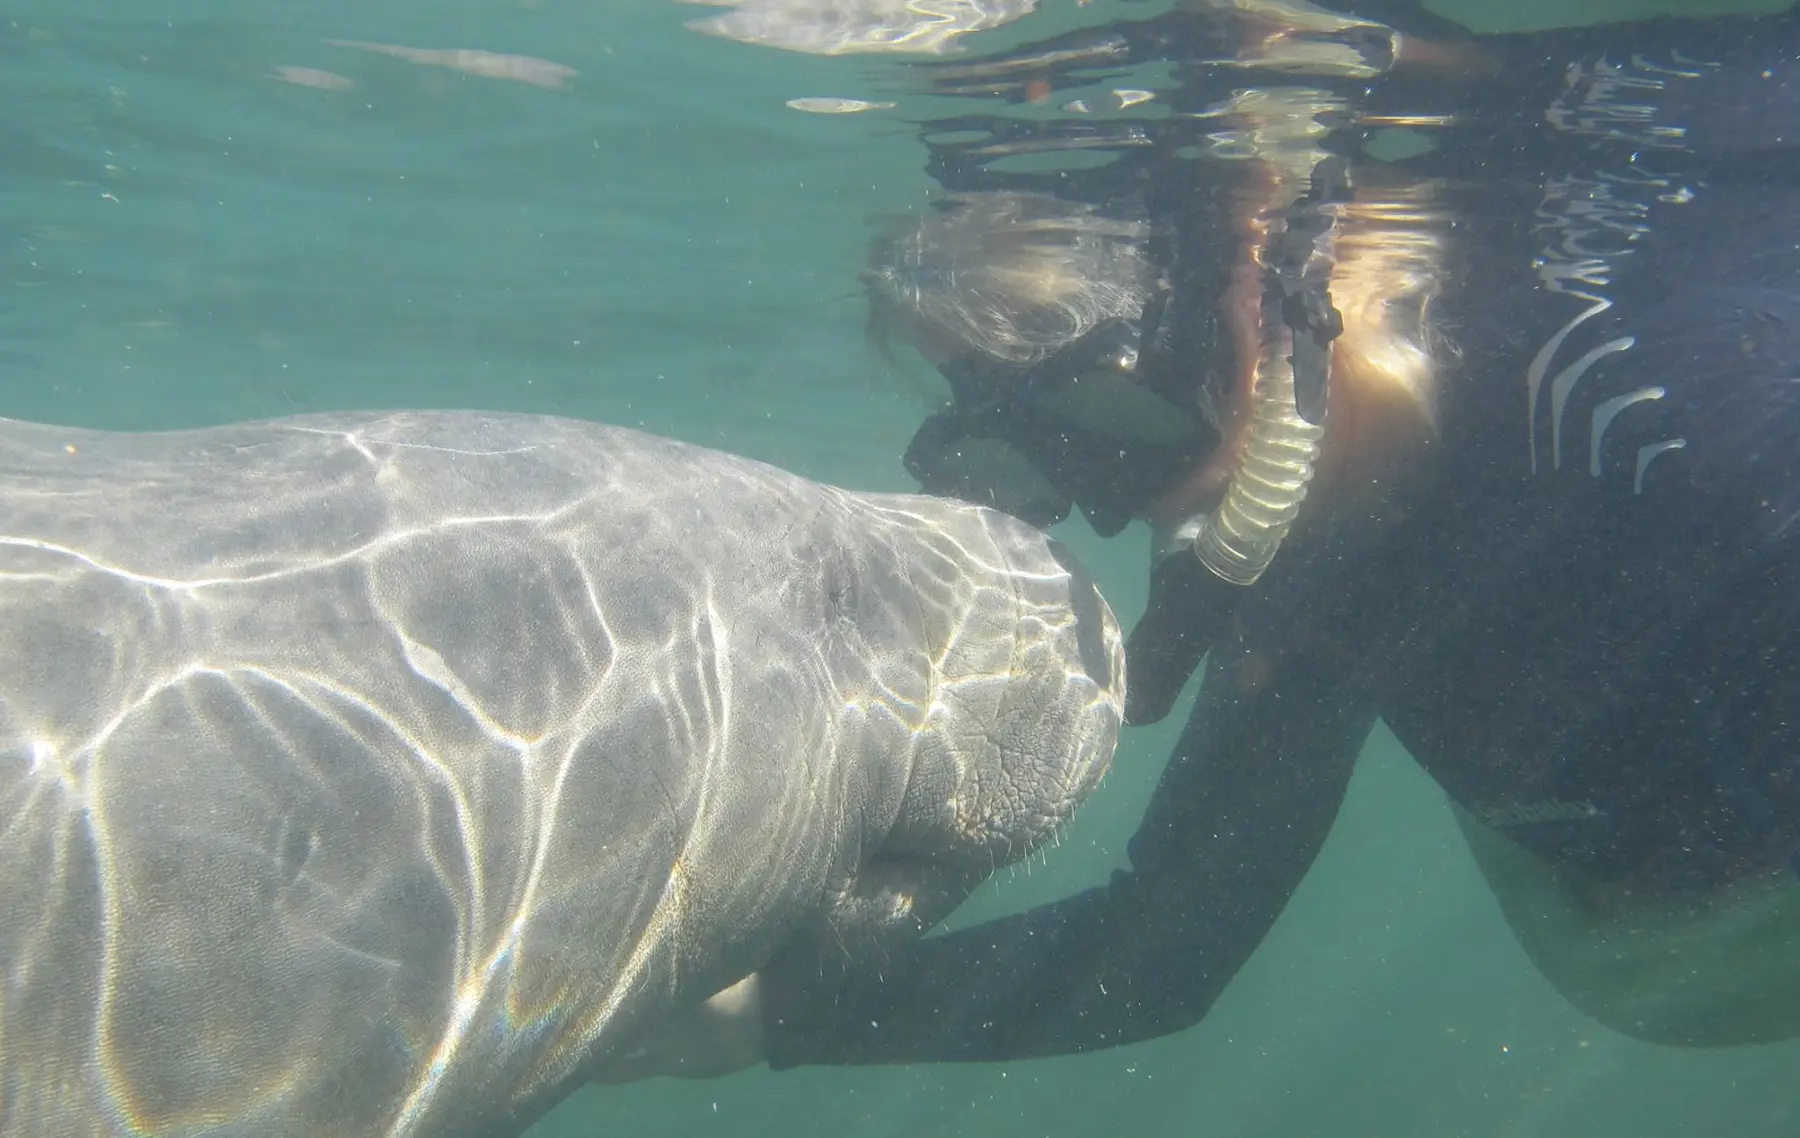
{"type": "Point", "coordinates": [1090, 621]}
{"type": "Point", "coordinates": [295, 848]}
{"type": "Point", "coordinates": [838, 591]}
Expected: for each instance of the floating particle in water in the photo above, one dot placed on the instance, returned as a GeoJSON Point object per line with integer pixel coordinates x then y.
{"type": "Point", "coordinates": [313, 77]}
{"type": "Point", "coordinates": [470, 61]}
{"type": "Point", "coordinates": [832, 105]}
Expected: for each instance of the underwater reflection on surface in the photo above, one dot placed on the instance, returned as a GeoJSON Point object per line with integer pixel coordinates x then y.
{"type": "Point", "coordinates": [845, 27]}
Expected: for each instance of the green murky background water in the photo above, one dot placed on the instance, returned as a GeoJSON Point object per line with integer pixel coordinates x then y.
{"type": "Point", "coordinates": [185, 239]}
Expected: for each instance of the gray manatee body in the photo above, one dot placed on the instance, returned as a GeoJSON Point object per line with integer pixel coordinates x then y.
{"type": "Point", "coordinates": [377, 774]}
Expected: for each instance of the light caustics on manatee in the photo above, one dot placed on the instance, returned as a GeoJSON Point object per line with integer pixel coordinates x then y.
{"type": "Point", "coordinates": [402, 764]}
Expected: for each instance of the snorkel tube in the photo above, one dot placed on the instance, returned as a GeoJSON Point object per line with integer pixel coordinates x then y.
{"type": "Point", "coordinates": [1276, 128]}
{"type": "Point", "coordinates": [1239, 540]}
{"type": "Point", "coordinates": [1278, 444]}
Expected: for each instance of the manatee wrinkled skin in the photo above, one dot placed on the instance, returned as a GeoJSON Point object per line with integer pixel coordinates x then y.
{"type": "Point", "coordinates": [378, 774]}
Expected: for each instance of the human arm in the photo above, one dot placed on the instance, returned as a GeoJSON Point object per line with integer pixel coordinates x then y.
{"type": "Point", "coordinates": [1247, 799]}
{"type": "Point", "coordinates": [1241, 811]}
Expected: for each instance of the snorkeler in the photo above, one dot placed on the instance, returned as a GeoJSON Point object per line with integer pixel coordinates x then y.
{"type": "Point", "coordinates": [1496, 441]}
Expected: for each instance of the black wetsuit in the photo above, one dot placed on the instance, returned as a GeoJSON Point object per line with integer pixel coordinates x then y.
{"type": "Point", "coordinates": [1586, 625]}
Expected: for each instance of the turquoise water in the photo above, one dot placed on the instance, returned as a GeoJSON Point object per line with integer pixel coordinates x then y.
{"type": "Point", "coordinates": [663, 243]}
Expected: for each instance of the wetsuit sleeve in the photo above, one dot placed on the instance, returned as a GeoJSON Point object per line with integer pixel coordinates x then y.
{"type": "Point", "coordinates": [1242, 809]}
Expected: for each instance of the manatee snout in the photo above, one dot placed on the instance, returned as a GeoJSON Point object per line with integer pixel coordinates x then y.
{"type": "Point", "coordinates": [1039, 731]}
{"type": "Point", "coordinates": [1010, 708]}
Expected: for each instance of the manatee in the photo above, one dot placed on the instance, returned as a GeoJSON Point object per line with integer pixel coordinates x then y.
{"type": "Point", "coordinates": [384, 773]}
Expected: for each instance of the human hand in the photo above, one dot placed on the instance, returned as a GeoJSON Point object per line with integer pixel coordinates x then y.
{"type": "Point", "coordinates": [719, 1037]}
{"type": "Point", "coordinates": [1188, 610]}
